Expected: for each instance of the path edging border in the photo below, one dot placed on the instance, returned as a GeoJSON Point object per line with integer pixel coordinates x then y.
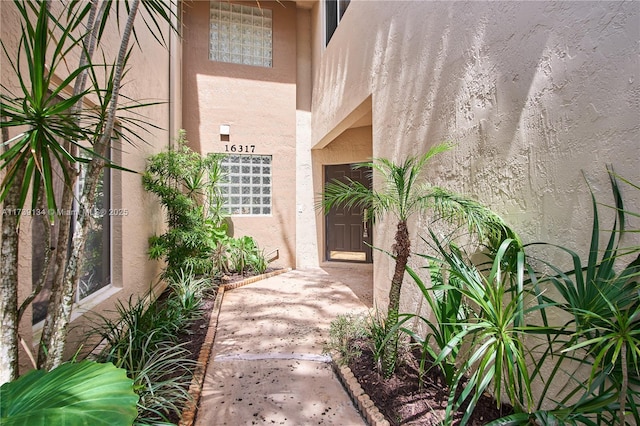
{"type": "Point", "coordinates": [368, 410]}
{"type": "Point", "coordinates": [197, 381]}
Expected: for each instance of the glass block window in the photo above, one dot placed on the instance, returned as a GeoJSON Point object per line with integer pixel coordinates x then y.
{"type": "Point", "coordinates": [247, 189]}
{"type": "Point", "coordinates": [240, 34]}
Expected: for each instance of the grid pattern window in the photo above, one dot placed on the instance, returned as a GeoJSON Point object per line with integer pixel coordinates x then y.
{"type": "Point", "coordinates": [247, 190]}
{"type": "Point", "coordinates": [240, 34]}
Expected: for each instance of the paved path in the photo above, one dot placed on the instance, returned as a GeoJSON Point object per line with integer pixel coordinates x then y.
{"type": "Point", "coordinates": [266, 366]}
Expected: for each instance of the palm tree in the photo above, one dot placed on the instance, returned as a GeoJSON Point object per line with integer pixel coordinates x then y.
{"type": "Point", "coordinates": [403, 192]}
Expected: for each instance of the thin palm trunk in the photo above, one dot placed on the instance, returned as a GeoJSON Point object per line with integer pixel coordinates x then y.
{"type": "Point", "coordinates": [9, 285]}
{"type": "Point", "coordinates": [622, 398]}
{"type": "Point", "coordinates": [61, 316]}
{"type": "Point", "coordinates": [401, 250]}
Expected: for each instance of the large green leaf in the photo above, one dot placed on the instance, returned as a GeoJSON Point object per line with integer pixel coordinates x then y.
{"type": "Point", "coordinates": [85, 393]}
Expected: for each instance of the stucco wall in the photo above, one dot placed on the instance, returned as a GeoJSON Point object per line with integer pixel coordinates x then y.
{"type": "Point", "coordinates": [132, 272]}
{"type": "Point", "coordinates": [259, 104]}
{"type": "Point", "coordinates": [532, 93]}
{"type": "Point", "coordinates": [306, 224]}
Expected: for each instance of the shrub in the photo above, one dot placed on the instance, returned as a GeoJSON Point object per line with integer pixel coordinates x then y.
{"type": "Point", "coordinates": [344, 331]}
{"type": "Point", "coordinates": [186, 183]}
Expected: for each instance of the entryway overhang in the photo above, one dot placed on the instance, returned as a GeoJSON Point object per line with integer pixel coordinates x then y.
{"type": "Point", "coordinates": [361, 116]}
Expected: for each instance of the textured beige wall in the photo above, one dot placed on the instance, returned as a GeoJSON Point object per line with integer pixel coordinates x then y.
{"type": "Point", "coordinates": [532, 93]}
{"type": "Point", "coordinates": [260, 106]}
{"type": "Point", "coordinates": [132, 272]}
{"type": "Point", "coordinates": [306, 223]}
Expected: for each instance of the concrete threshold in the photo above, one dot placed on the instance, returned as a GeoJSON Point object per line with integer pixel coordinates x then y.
{"type": "Point", "coordinates": [272, 356]}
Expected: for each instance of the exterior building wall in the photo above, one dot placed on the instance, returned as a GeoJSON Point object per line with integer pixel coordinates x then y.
{"type": "Point", "coordinates": [140, 215]}
{"type": "Point", "coordinates": [306, 223]}
{"type": "Point", "coordinates": [259, 104]}
{"type": "Point", "coordinates": [535, 96]}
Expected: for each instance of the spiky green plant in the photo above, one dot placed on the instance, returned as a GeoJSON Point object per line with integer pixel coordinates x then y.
{"type": "Point", "coordinates": [449, 313]}
{"type": "Point", "coordinates": [143, 340]}
{"type": "Point", "coordinates": [344, 332]}
{"type": "Point", "coordinates": [602, 300]}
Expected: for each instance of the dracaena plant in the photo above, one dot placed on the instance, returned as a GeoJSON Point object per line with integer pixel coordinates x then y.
{"type": "Point", "coordinates": [45, 105]}
{"type": "Point", "coordinates": [497, 358]}
{"type": "Point", "coordinates": [601, 297]}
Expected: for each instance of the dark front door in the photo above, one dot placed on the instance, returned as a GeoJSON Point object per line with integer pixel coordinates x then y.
{"type": "Point", "coordinates": [347, 232]}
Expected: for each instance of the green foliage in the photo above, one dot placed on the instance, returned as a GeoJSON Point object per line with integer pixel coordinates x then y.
{"type": "Point", "coordinates": [186, 184]}
{"type": "Point", "coordinates": [344, 332]}
{"type": "Point", "coordinates": [380, 332]}
{"type": "Point", "coordinates": [55, 129]}
{"type": "Point", "coordinates": [36, 151]}
{"type": "Point", "coordinates": [238, 255]}
{"type": "Point", "coordinates": [142, 340]}
{"type": "Point", "coordinates": [245, 256]}
{"type": "Point", "coordinates": [497, 355]}
{"type": "Point", "coordinates": [490, 328]}
{"type": "Point", "coordinates": [187, 294]}
{"type": "Point", "coordinates": [449, 316]}
{"type": "Point", "coordinates": [403, 192]}
{"type": "Point", "coordinates": [72, 394]}
{"type": "Point", "coordinates": [603, 332]}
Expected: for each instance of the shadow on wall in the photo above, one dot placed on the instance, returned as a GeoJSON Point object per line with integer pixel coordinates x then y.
{"type": "Point", "coordinates": [519, 91]}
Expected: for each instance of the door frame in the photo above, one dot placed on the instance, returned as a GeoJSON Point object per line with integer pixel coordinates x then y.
{"type": "Point", "coordinates": [366, 243]}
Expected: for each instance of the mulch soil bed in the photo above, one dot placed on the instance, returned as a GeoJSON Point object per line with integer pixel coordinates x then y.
{"type": "Point", "coordinates": [403, 401]}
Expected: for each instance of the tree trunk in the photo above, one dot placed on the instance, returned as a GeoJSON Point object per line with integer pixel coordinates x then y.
{"type": "Point", "coordinates": [9, 283]}
{"type": "Point", "coordinates": [47, 339]}
{"type": "Point", "coordinates": [624, 387]}
{"type": "Point", "coordinates": [61, 317]}
{"type": "Point", "coordinates": [402, 250]}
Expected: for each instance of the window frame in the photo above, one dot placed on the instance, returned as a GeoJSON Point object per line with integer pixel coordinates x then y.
{"type": "Point", "coordinates": [107, 209]}
{"type": "Point", "coordinates": [334, 10]}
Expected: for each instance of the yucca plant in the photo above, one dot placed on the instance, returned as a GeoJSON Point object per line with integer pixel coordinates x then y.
{"type": "Point", "coordinates": [403, 193]}
{"type": "Point", "coordinates": [497, 358]}
{"type": "Point", "coordinates": [449, 316]}
{"type": "Point", "coordinates": [604, 329]}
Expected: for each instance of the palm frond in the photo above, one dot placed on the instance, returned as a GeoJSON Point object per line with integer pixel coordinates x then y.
{"type": "Point", "coordinates": [345, 194]}
{"type": "Point", "coordinates": [479, 219]}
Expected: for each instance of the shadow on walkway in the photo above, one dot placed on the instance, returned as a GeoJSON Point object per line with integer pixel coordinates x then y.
{"type": "Point", "coordinates": [267, 365]}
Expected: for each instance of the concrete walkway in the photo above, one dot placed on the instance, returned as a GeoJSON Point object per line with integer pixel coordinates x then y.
{"type": "Point", "coordinates": [267, 365]}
